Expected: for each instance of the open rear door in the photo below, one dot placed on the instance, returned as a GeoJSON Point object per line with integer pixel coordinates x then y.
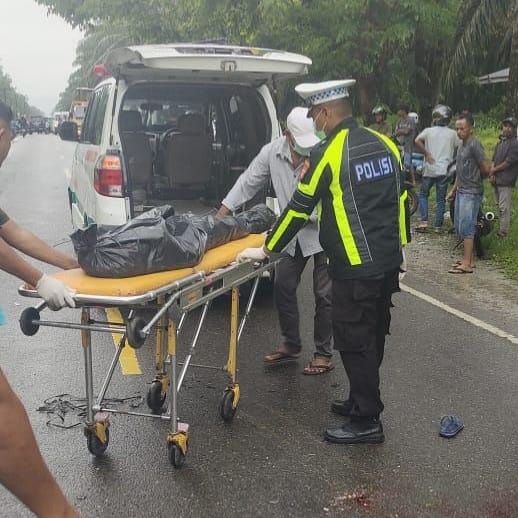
{"type": "Point", "coordinates": [205, 62]}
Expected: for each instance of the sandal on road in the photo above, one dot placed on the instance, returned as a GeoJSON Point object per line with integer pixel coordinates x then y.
{"type": "Point", "coordinates": [451, 425]}
{"type": "Point", "coordinates": [315, 367]}
{"type": "Point", "coordinates": [460, 269]}
{"type": "Point", "coordinates": [456, 264]}
{"type": "Point", "coordinates": [280, 356]}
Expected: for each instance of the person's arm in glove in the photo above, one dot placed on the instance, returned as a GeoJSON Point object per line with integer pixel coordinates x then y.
{"type": "Point", "coordinates": [55, 293]}
{"type": "Point", "coordinates": [252, 254]}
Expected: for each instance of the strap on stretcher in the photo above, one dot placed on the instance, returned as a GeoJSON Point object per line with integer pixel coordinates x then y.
{"type": "Point", "coordinates": [216, 258]}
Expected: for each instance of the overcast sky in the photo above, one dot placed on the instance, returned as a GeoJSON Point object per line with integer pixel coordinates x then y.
{"type": "Point", "coordinates": [36, 50]}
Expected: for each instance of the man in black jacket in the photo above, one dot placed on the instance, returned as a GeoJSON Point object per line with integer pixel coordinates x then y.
{"type": "Point", "coordinates": [504, 172]}
{"type": "Point", "coordinates": [354, 178]}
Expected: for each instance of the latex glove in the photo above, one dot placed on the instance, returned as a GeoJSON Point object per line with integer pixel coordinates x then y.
{"type": "Point", "coordinates": [254, 254]}
{"type": "Point", "coordinates": [55, 293]}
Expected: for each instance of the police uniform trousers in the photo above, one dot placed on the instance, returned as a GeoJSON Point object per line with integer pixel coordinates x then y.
{"type": "Point", "coordinates": [361, 320]}
{"type": "Point", "coordinates": [287, 279]}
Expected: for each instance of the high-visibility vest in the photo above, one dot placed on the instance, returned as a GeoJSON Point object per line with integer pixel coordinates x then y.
{"type": "Point", "coordinates": [355, 182]}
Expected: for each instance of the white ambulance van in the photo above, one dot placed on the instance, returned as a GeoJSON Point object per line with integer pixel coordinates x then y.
{"type": "Point", "coordinates": [173, 124]}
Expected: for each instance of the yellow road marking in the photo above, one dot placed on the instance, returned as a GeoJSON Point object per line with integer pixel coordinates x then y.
{"type": "Point", "coordinates": [128, 358]}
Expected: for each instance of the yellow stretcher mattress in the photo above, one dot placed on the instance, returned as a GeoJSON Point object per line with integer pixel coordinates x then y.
{"type": "Point", "coordinates": [129, 286]}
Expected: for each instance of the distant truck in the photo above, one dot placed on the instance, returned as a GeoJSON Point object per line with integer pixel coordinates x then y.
{"type": "Point", "coordinates": [57, 119]}
{"type": "Point", "coordinates": [79, 105]}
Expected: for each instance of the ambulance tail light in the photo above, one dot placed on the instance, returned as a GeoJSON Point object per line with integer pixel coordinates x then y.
{"type": "Point", "coordinates": [108, 179]}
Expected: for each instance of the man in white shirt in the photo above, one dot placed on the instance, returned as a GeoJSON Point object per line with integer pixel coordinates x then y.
{"type": "Point", "coordinates": [282, 162]}
{"type": "Point", "coordinates": [438, 143]}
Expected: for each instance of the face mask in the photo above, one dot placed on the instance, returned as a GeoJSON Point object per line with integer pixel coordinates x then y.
{"type": "Point", "coordinates": [302, 151]}
{"type": "Point", "coordinates": [320, 134]}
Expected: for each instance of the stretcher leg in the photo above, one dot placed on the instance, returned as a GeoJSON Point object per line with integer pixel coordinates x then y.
{"type": "Point", "coordinates": [230, 399]}
{"type": "Point", "coordinates": [249, 304]}
{"type": "Point", "coordinates": [160, 346]}
{"type": "Point", "coordinates": [157, 392]}
{"type": "Point", "coordinates": [188, 358]}
{"type": "Point", "coordinates": [96, 428]}
{"type": "Point", "coordinates": [111, 369]}
{"type": "Point", "coordinates": [86, 342]}
{"type": "Point", "coordinates": [177, 439]}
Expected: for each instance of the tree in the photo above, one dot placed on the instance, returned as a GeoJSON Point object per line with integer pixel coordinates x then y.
{"type": "Point", "coordinates": [478, 35]}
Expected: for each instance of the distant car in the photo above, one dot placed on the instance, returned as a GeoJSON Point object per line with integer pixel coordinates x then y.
{"type": "Point", "coordinates": [37, 125]}
{"type": "Point", "coordinates": [177, 124]}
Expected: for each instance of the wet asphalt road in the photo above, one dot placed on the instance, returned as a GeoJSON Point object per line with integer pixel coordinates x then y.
{"type": "Point", "coordinates": [271, 461]}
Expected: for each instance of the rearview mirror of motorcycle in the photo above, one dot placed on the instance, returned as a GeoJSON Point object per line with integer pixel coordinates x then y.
{"type": "Point", "coordinates": [68, 130]}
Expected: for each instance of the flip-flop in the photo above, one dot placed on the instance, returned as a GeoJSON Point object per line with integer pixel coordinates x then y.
{"type": "Point", "coordinates": [422, 230]}
{"type": "Point", "coordinates": [458, 263]}
{"type": "Point", "coordinates": [280, 356]}
{"type": "Point", "coordinates": [312, 369]}
{"type": "Point", "coordinates": [458, 270]}
{"type": "Point", "coordinates": [451, 425]}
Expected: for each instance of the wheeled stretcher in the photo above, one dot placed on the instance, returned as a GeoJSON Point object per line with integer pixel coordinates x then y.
{"type": "Point", "coordinates": [158, 301]}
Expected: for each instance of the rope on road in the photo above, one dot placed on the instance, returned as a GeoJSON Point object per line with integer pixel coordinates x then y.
{"type": "Point", "coordinates": [67, 411]}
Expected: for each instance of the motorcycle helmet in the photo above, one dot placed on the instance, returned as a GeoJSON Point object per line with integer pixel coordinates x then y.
{"type": "Point", "coordinates": [511, 121]}
{"type": "Point", "coordinates": [441, 115]}
{"type": "Point", "coordinates": [414, 116]}
{"type": "Point", "coordinates": [380, 110]}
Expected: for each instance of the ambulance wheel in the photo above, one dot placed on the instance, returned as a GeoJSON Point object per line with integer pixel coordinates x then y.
{"type": "Point", "coordinates": [133, 329]}
{"type": "Point", "coordinates": [95, 445]}
{"type": "Point", "coordinates": [27, 325]}
{"type": "Point", "coordinates": [155, 399]}
{"type": "Point", "coordinates": [175, 454]}
{"type": "Point", "coordinates": [226, 407]}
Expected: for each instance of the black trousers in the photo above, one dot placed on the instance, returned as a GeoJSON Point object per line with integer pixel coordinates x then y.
{"type": "Point", "coordinates": [287, 279]}
{"type": "Point", "coordinates": [361, 320]}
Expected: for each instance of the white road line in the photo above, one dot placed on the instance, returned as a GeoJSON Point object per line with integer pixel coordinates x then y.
{"type": "Point", "coordinates": [460, 314]}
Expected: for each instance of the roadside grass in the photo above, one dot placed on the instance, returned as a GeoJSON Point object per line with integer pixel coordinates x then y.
{"type": "Point", "coordinates": [503, 251]}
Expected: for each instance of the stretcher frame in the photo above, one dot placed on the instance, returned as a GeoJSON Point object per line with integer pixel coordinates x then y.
{"type": "Point", "coordinates": [172, 302]}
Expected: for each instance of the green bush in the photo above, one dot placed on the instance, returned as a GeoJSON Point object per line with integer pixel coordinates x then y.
{"type": "Point", "coordinates": [502, 251]}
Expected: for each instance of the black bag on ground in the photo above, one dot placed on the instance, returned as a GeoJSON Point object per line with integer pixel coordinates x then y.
{"type": "Point", "coordinates": [158, 240]}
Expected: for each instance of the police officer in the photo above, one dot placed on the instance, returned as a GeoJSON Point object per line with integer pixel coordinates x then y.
{"type": "Point", "coordinates": [354, 177]}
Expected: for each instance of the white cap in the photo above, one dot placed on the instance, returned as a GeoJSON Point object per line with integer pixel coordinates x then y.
{"type": "Point", "coordinates": [301, 128]}
{"type": "Point", "coordinates": [318, 93]}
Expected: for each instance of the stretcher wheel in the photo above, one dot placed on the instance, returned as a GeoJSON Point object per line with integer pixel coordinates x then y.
{"type": "Point", "coordinates": [95, 445]}
{"type": "Point", "coordinates": [226, 406]}
{"type": "Point", "coordinates": [175, 454]}
{"type": "Point", "coordinates": [133, 330]}
{"type": "Point", "coordinates": [26, 321]}
{"type": "Point", "coordinates": [155, 398]}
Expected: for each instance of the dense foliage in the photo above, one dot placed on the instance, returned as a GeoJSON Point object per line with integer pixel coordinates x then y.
{"type": "Point", "coordinates": [398, 50]}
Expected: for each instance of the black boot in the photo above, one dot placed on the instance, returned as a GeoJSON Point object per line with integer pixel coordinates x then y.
{"type": "Point", "coordinates": [341, 407]}
{"type": "Point", "coordinates": [358, 431]}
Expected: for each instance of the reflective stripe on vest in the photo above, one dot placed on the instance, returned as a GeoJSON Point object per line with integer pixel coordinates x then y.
{"type": "Point", "coordinates": [341, 204]}
{"type": "Point", "coordinates": [402, 218]}
{"type": "Point", "coordinates": [403, 235]}
{"type": "Point", "coordinates": [284, 224]}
